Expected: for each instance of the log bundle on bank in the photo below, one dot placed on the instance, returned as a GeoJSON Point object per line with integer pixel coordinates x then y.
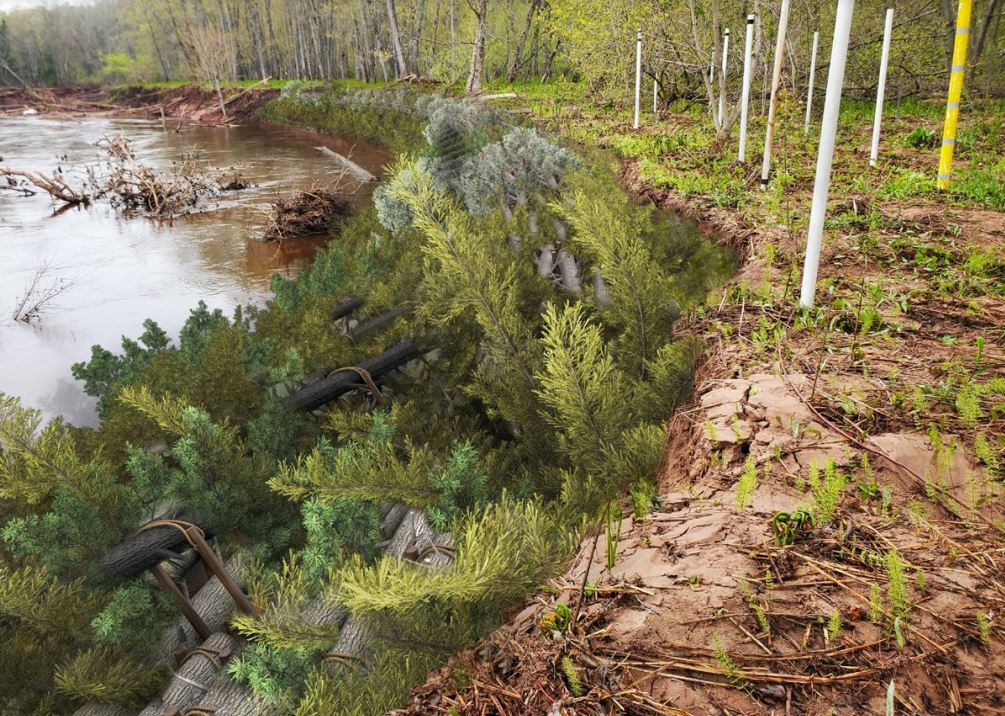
{"type": "Point", "coordinates": [344, 381]}
{"type": "Point", "coordinates": [200, 682]}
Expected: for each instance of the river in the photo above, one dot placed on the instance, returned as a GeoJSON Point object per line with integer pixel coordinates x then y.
{"type": "Point", "coordinates": [117, 270]}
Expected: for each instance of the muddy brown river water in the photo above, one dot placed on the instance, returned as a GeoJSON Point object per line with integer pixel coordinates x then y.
{"type": "Point", "coordinates": [121, 270]}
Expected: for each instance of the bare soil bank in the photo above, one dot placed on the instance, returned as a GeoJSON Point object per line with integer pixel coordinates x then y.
{"type": "Point", "coordinates": [189, 104]}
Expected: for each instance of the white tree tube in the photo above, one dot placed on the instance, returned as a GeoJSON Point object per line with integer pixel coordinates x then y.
{"type": "Point", "coordinates": [638, 76]}
{"type": "Point", "coordinates": [776, 80]}
{"type": "Point", "coordinates": [656, 96]}
{"type": "Point", "coordinates": [748, 70]}
{"type": "Point", "coordinates": [813, 75]}
{"type": "Point", "coordinates": [725, 56]}
{"type": "Point", "coordinates": [825, 153]}
{"type": "Point", "coordinates": [881, 90]}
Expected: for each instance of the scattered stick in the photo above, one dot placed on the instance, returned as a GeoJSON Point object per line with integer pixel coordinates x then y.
{"type": "Point", "coordinates": [38, 297]}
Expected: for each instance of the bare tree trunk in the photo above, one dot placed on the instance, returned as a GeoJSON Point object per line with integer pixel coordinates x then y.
{"type": "Point", "coordinates": [401, 67]}
{"type": "Point", "coordinates": [477, 73]}
{"type": "Point", "coordinates": [420, 21]}
{"type": "Point", "coordinates": [436, 31]}
{"type": "Point", "coordinates": [549, 63]}
{"type": "Point", "coordinates": [453, 34]}
{"type": "Point", "coordinates": [977, 46]}
{"type": "Point", "coordinates": [377, 48]}
{"type": "Point", "coordinates": [359, 54]}
{"type": "Point", "coordinates": [259, 38]}
{"type": "Point", "coordinates": [518, 55]}
{"type": "Point", "coordinates": [364, 36]}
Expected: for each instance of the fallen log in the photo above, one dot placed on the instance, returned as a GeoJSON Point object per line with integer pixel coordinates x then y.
{"type": "Point", "coordinates": [350, 166]}
{"type": "Point", "coordinates": [346, 307]}
{"type": "Point", "coordinates": [342, 382]}
{"type": "Point", "coordinates": [53, 184]}
{"type": "Point", "coordinates": [378, 322]}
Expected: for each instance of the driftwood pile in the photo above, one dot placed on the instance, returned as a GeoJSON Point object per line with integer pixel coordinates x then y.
{"type": "Point", "coordinates": [314, 211]}
{"type": "Point", "coordinates": [130, 185]}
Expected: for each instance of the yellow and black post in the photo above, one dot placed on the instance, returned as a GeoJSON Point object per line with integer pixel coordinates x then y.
{"type": "Point", "coordinates": [955, 91]}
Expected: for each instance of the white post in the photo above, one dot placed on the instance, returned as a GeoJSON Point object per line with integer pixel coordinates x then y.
{"type": "Point", "coordinates": [825, 152]}
{"type": "Point", "coordinates": [813, 74]}
{"type": "Point", "coordinates": [656, 96]}
{"type": "Point", "coordinates": [748, 70]}
{"type": "Point", "coordinates": [725, 56]}
{"type": "Point", "coordinates": [881, 90]}
{"type": "Point", "coordinates": [776, 80]}
{"type": "Point", "coordinates": [638, 76]}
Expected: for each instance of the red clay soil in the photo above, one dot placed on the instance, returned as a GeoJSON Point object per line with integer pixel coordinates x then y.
{"type": "Point", "coordinates": [190, 104]}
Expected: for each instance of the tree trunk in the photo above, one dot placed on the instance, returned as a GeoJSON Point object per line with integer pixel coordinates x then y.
{"type": "Point", "coordinates": [141, 551]}
{"type": "Point", "coordinates": [420, 21]}
{"type": "Point", "coordinates": [977, 46]}
{"type": "Point", "coordinates": [521, 41]}
{"type": "Point", "coordinates": [377, 48]}
{"type": "Point", "coordinates": [401, 67]}
{"type": "Point", "coordinates": [259, 39]}
{"type": "Point", "coordinates": [477, 72]}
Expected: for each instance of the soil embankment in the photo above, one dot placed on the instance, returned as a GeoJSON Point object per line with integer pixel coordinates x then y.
{"type": "Point", "coordinates": [191, 104]}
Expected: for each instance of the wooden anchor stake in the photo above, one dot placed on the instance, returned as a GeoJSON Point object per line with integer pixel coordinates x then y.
{"type": "Point", "coordinates": [182, 601]}
{"type": "Point", "coordinates": [197, 538]}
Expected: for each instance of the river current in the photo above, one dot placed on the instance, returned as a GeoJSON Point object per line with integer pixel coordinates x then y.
{"type": "Point", "coordinates": [116, 270]}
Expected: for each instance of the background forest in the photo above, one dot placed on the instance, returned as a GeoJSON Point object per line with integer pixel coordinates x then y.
{"type": "Point", "coordinates": [117, 41]}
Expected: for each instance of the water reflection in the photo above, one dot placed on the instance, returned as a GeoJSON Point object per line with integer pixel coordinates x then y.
{"type": "Point", "coordinates": [124, 270]}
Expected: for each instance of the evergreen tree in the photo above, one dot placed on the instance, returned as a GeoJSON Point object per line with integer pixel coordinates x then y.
{"type": "Point", "coordinates": [208, 474]}
{"type": "Point", "coordinates": [60, 509]}
{"type": "Point", "coordinates": [503, 550]}
{"type": "Point", "coordinates": [465, 270]}
{"type": "Point", "coordinates": [644, 301]}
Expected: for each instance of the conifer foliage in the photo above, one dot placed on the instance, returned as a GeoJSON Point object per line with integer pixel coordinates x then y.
{"type": "Point", "coordinates": [536, 403]}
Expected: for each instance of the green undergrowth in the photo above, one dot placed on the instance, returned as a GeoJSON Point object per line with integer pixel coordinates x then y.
{"type": "Point", "coordinates": [334, 110]}
{"type": "Point", "coordinates": [677, 148]}
{"type": "Point", "coordinates": [544, 302]}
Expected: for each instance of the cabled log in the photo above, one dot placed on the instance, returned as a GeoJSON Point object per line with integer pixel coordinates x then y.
{"type": "Point", "coordinates": [346, 307]}
{"type": "Point", "coordinates": [546, 261]}
{"type": "Point", "coordinates": [378, 323]}
{"type": "Point", "coordinates": [225, 697]}
{"type": "Point", "coordinates": [414, 539]}
{"type": "Point", "coordinates": [601, 293]}
{"type": "Point", "coordinates": [212, 603]}
{"type": "Point", "coordinates": [193, 678]}
{"type": "Point", "coordinates": [569, 271]}
{"type": "Point", "coordinates": [101, 710]}
{"type": "Point", "coordinates": [324, 391]}
{"type": "Point", "coordinates": [141, 551]}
